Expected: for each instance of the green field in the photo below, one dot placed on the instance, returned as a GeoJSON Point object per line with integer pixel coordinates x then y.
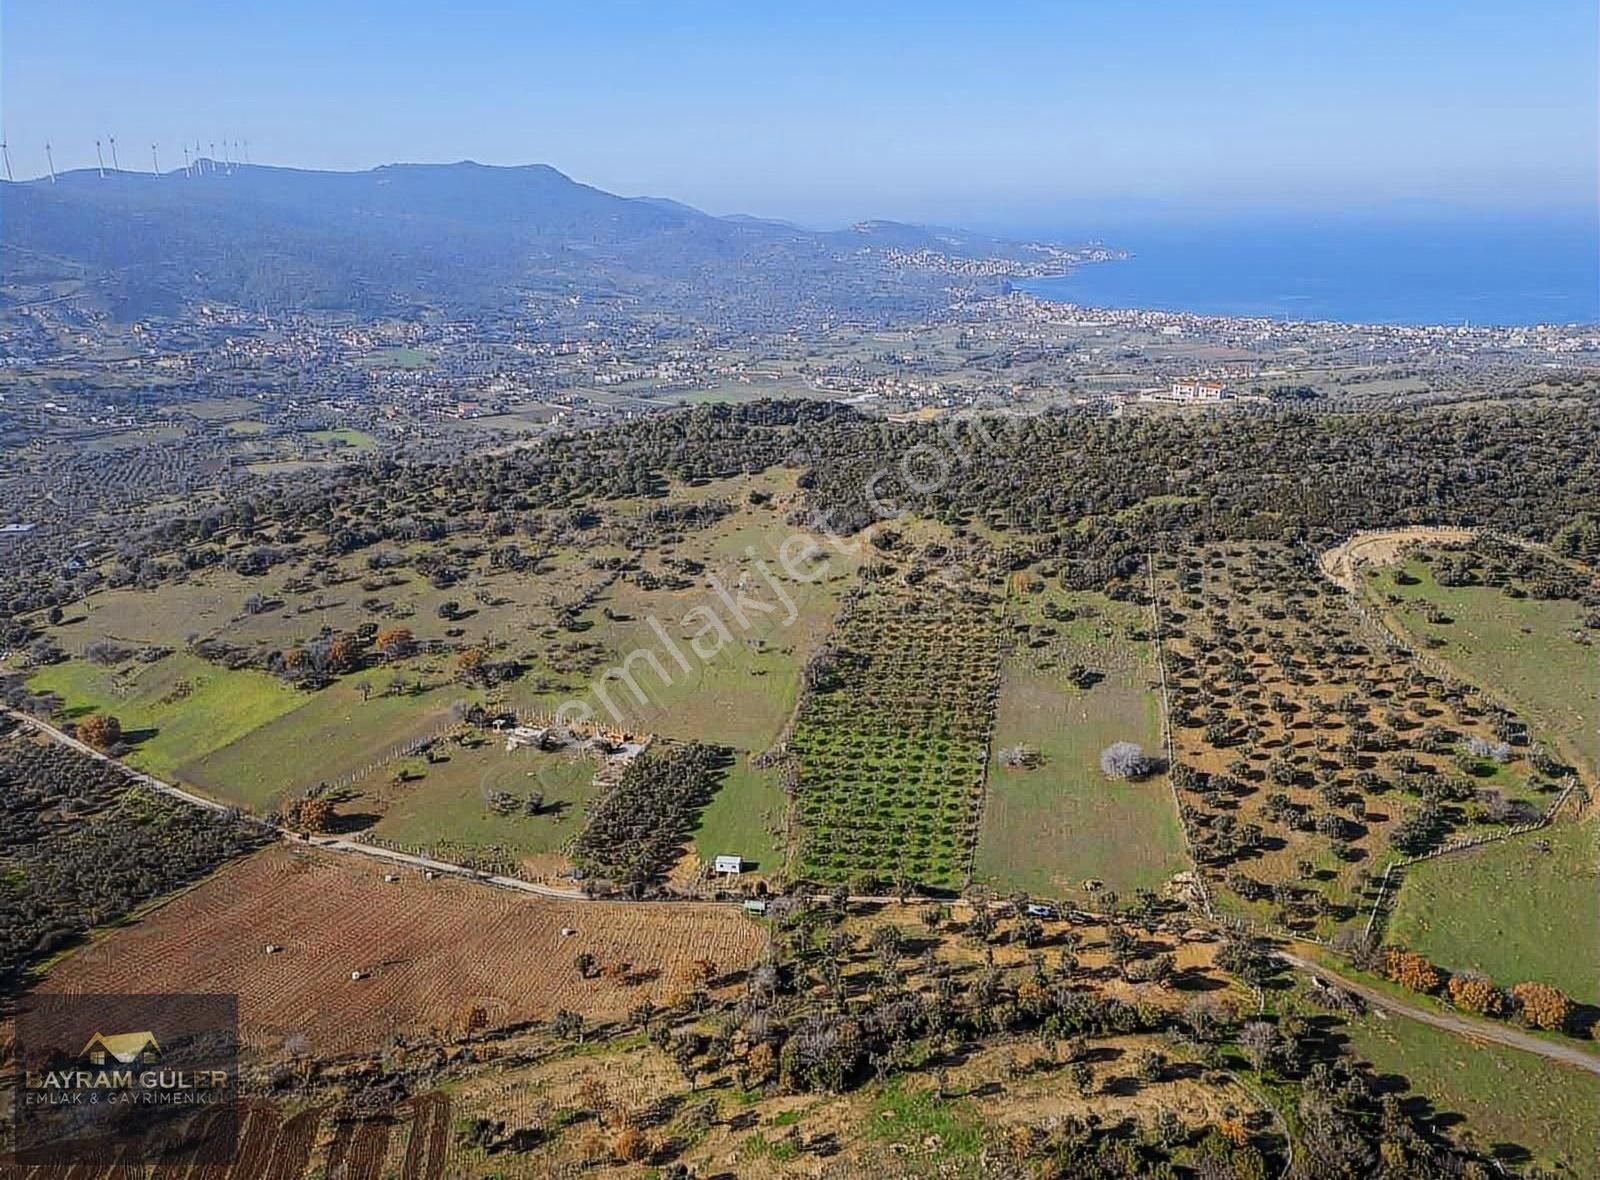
{"type": "Point", "coordinates": [1514, 1102]}
{"type": "Point", "coordinates": [746, 691]}
{"type": "Point", "coordinates": [1048, 829]}
{"type": "Point", "coordinates": [333, 732]}
{"type": "Point", "coordinates": [449, 801]}
{"type": "Point", "coordinates": [174, 710]}
{"type": "Point", "coordinates": [358, 440]}
{"type": "Point", "coordinates": [745, 818]}
{"type": "Point", "coordinates": [1510, 910]}
{"type": "Point", "coordinates": [1520, 648]}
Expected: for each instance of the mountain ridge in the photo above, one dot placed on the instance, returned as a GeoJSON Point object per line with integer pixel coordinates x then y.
{"type": "Point", "coordinates": [458, 238]}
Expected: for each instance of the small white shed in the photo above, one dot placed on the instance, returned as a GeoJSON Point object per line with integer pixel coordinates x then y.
{"type": "Point", "coordinates": [727, 866]}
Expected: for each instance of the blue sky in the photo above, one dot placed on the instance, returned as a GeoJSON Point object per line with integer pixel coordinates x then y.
{"type": "Point", "coordinates": [824, 112]}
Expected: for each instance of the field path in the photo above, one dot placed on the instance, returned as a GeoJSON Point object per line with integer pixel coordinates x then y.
{"type": "Point", "coordinates": [1512, 1038]}
{"type": "Point", "coordinates": [333, 843]}
{"type": "Point", "coordinates": [1381, 548]}
{"type": "Point", "coordinates": [1472, 1030]}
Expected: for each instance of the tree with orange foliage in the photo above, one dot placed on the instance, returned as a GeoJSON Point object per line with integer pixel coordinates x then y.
{"type": "Point", "coordinates": [470, 663]}
{"type": "Point", "coordinates": [343, 653]}
{"type": "Point", "coordinates": [1234, 1132]}
{"type": "Point", "coordinates": [1475, 993]}
{"type": "Point", "coordinates": [759, 1065]}
{"type": "Point", "coordinates": [100, 730]}
{"type": "Point", "coordinates": [631, 1146]}
{"type": "Point", "coordinates": [1541, 1005]}
{"type": "Point", "coordinates": [1410, 970]}
{"type": "Point", "coordinates": [309, 815]}
{"type": "Point", "coordinates": [395, 642]}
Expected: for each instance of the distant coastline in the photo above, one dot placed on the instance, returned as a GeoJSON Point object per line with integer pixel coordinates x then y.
{"type": "Point", "coordinates": [1491, 271]}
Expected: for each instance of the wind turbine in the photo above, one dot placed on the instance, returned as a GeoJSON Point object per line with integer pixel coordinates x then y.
{"type": "Point", "coordinates": [50, 162]}
{"type": "Point", "coordinates": [100, 158]}
{"type": "Point", "coordinates": [6, 152]}
{"type": "Point", "coordinates": [155, 168]}
{"type": "Point", "coordinates": [115, 167]}
{"type": "Point", "coordinates": [186, 160]}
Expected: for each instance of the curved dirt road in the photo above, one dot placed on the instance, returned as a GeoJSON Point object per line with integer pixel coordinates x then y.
{"type": "Point", "coordinates": [1499, 1034]}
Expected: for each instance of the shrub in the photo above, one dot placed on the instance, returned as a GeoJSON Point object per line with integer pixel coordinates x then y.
{"type": "Point", "coordinates": [1541, 1005]}
{"type": "Point", "coordinates": [100, 730]}
{"type": "Point", "coordinates": [1410, 970]}
{"type": "Point", "coordinates": [1474, 993]}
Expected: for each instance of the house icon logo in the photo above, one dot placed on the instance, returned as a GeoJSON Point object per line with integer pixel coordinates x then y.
{"type": "Point", "coordinates": [135, 1048]}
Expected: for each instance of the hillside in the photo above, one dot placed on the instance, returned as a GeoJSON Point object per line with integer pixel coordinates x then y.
{"type": "Point", "coordinates": [458, 238]}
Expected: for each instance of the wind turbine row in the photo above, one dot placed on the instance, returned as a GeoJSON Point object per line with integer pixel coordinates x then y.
{"type": "Point", "coordinates": [200, 164]}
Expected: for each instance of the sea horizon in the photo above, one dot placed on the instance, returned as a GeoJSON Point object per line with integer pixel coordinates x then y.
{"type": "Point", "coordinates": [1504, 271]}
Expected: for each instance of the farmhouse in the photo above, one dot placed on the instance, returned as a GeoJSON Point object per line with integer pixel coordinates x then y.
{"type": "Point", "coordinates": [1191, 392]}
{"type": "Point", "coordinates": [525, 735]}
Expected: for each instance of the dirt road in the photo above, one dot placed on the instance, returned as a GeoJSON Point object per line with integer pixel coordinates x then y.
{"type": "Point", "coordinates": [1476, 1030]}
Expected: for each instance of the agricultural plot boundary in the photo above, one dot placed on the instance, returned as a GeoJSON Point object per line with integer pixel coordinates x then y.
{"type": "Point", "coordinates": [1389, 885]}
{"type": "Point", "coordinates": [1393, 877]}
{"type": "Point", "coordinates": [1166, 734]}
{"type": "Point", "coordinates": [892, 738]}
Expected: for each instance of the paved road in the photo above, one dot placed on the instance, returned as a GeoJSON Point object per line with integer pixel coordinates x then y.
{"type": "Point", "coordinates": [1477, 1030]}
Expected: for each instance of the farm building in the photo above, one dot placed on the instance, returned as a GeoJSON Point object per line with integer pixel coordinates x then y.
{"type": "Point", "coordinates": [728, 866]}
{"type": "Point", "coordinates": [1191, 392]}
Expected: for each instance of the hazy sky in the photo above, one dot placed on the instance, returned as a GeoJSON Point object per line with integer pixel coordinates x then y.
{"type": "Point", "coordinates": [826, 112]}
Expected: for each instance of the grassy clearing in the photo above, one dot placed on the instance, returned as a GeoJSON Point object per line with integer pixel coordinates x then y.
{"type": "Point", "coordinates": [332, 733]}
{"type": "Point", "coordinates": [1518, 647]}
{"type": "Point", "coordinates": [1048, 829]}
{"type": "Point", "coordinates": [1511, 910]}
{"type": "Point", "coordinates": [174, 710]}
{"type": "Point", "coordinates": [917, 1119]}
{"type": "Point", "coordinates": [358, 440]}
{"type": "Point", "coordinates": [740, 686]}
{"type": "Point", "coordinates": [745, 817]}
{"type": "Point", "coordinates": [448, 803]}
{"type": "Point", "coordinates": [1514, 1103]}
{"type": "Point", "coordinates": [164, 617]}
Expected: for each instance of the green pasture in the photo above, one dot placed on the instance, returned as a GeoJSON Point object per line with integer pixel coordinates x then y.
{"type": "Point", "coordinates": [448, 801]}
{"type": "Point", "coordinates": [1048, 829]}
{"type": "Point", "coordinates": [1511, 910]}
{"type": "Point", "coordinates": [1519, 648]}
{"type": "Point", "coordinates": [175, 710]}
{"type": "Point", "coordinates": [332, 733]}
{"type": "Point", "coordinates": [1517, 1105]}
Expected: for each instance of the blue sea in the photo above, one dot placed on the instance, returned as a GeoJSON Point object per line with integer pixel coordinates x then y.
{"type": "Point", "coordinates": [1480, 270]}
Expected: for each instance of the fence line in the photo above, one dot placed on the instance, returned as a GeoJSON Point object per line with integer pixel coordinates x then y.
{"type": "Point", "coordinates": [1464, 845]}
{"type": "Point", "coordinates": [1166, 737]}
{"type": "Point", "coordinates": [403, 750]}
